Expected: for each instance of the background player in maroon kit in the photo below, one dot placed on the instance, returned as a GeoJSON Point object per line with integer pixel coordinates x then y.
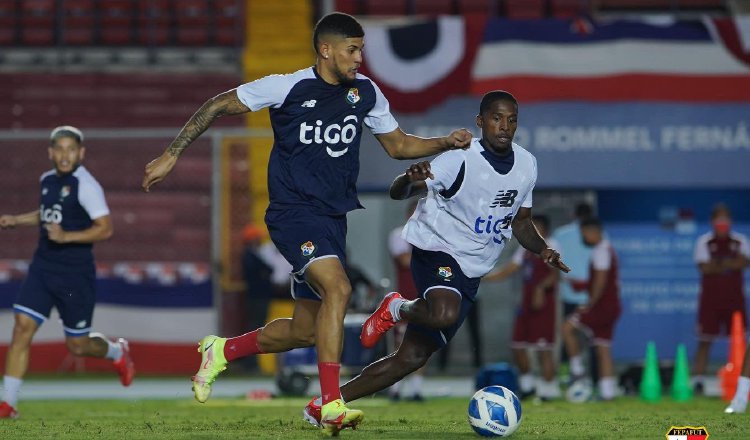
{"type": "Point", "coordinates": [596, 319]}
{"type": "Point", "coordinates": [721, 256]}
{"type": "Point", "coordinates": [534, 326]}
{"type": "Point", "coordinates": [400, 251]}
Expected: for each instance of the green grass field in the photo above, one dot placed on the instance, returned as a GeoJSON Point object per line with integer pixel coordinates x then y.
{"type": "Point", "coordinates": [435, 419]}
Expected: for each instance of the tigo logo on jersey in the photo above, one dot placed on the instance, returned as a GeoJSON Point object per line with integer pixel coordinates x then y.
{"type": "Point", "coordinates": [445, 272]}
{"type": "Point", "coordinates": [65, 191]}
{"type": "Point", "coordinates": [353, 95]}
{"type": "Point", "coordinates": [307, 249]}
{"type": "Point", "coordinates": [687, 433]}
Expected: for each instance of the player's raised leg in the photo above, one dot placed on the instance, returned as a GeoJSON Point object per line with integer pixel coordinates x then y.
{"type": "Point", "coordinates": [277, 336]}
{"type": "Point", "coordinates": [99, 346]}
{"type": "Point", "coordinates": [328, 278]}
{"type": "Point", "coordinates": [17, 362]}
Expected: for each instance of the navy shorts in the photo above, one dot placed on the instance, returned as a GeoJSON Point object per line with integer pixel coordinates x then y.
{"type": "Point", "coordinates": [432, 270]}
{"type": "Point", "coordinates": [303, 237]}
{"type": "Point", "coordinates": [71, 292]}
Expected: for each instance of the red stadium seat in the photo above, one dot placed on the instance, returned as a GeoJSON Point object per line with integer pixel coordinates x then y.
{"type": "Point", "coordinates": [569, 8]}
{"type": "Point", "coordinates": [229, 16]}
{"type": "Point", "coordinates": [37, 22]}
{"type": "Point", "coordinates": [78, 22]}
{"type": "Point", "coordinates": [524, 9]}
{"type": "Point", "coordinates": [193, 22]}
{"type": "Point", "coordinates": [116, 22]}
{"type": "Point", "coordinates": [8, 22]}
{"type": "Point", "coordinates": [476, 6]}
{"type": "Point", "coordinates": [348, 6]}
{"type": "Point", "coordinates": [386, 7]}
{"type": "Point", "coordinates": [153, 22]}
{"type": "Point", "coordinates": [433, 7]}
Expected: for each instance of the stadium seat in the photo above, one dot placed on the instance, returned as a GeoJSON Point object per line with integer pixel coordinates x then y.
{"type": "Point", "coordinates": [229, 15]}
{"type": "Point", "coordinates": [37, 22]}
{"type": "Point", "coordinates": [386, 7]}
{"type": "Point", "coordinates": [78, 22]}
{"type": "Point", "coordinates": [569, 8]}
{"type": "Point", "coordinates": [193, 22]}
{"type": "Point", "coordinates": [524, 9]}
{"type": "Point", "coordinates": [352, 7]}
{"type": "Point", "coordinates": [476, 6]}
{"type": "Point", "coordinates": [116, 22]}
{"type": "Point", "coordinates": [8, 23]}
{"type": "Point", "coordinates": [433, 7]}
{"type": "Point", "coordinates": [153, 22]}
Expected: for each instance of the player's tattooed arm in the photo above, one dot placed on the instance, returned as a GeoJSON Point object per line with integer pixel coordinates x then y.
{"type": "Point", "coordinates": [527, 234]}
{"type": "Point", "coordinates": [227, 103]}
{"type": "Point", "coordinates": [412, 182]}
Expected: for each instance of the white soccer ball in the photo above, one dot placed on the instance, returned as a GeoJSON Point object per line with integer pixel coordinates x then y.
{"type": "Point", "coordinates": [579, 391]}
{"type": "Point", "coordinates": [494, 411]}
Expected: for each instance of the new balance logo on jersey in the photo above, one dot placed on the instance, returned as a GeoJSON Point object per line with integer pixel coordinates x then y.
{"type": "Point", "coordinates": [493, 226]}
{"type": "Point", "coordinates": [309, 104]}
{"type": "Point", "coordinates": [332, 134]}
{"type": "Point", "coordinates": [504, 199]}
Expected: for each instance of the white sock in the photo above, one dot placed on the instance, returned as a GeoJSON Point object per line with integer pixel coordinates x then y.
{"type": "Point", "coordinates": [416, 384]}
{"type": "Point", "coordinates": [548, 388]}
{"type": "Point", "coordinates": [527, 382]}
{"type": "Point", "coordinates": [114, 350]}
{"type": "Point", "coordinates": [395, 308]}
{"type": "Point", "coordinates": [607, 387]}
{"type": "Point", "coordinates": [11, 385]}
{"type": "Point", "coordinates": [743, 389]}
{"type": "Point", "coordinates": [576, 366]}
{"type": "Point", "coordinates": [396, 388]}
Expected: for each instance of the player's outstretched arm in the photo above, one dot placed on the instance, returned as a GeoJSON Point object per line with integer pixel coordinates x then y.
{"type": "Point", "coordinates": [526, 233]}
{"type": "Point", "coordinates": [27, 219]}
{"type": "Point", "coordinates": [100, 230]}
{"type": "Point", "coordinates": [400, 145]}
{"type": "Point", "coordinates": [502, 273]}
{"type": "Point", "coordinates": [227, 103]}
{"type": "Point", "coordinates": [412, 182]}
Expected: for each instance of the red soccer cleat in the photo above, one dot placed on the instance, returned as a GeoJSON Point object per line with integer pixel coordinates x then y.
{"type": "Point", "coordinates": [379, 322]}
{"type": "Point", "coordinates": [8, 412]}
{"type": "Point", "coordinates": [125, 366]}
{"type": "Point", "coordinates": [311, 413]}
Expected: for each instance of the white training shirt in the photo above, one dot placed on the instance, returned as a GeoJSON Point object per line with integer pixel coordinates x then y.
{"type": "Point", "coordinates": [472, 221]}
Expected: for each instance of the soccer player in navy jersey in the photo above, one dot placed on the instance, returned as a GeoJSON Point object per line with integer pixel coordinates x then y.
{"type": "Point", "coordinates": [317, 115]}
{"type": "Point", "coordinates": [73, 215]}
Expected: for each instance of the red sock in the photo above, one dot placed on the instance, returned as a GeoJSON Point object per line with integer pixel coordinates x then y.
{"type": "Point", "coordinates": [329, 381]}
{"type": "Point", "coordinates": [242, 346]}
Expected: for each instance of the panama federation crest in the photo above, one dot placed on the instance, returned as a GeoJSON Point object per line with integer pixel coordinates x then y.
{"type": "Point", "coordinates": [687, 433]}
{"type": "Point", "coordinates": [445, 272]}
{"type": "Point", "coordinates": [64, 192]}
{"type": "Point", "coordinates": [308, 249]}
{"type": "Point", "coordinates": [353, 95]}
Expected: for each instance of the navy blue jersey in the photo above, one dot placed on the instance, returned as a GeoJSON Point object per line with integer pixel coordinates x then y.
{"type": "Point", "coordinates": [317, 131]}
{"type": "Point", "coordinates": [73, 201]}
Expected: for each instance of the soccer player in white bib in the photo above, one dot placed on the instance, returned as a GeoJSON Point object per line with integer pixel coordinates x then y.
{"type": "Point", "coordinates": [473, 201]}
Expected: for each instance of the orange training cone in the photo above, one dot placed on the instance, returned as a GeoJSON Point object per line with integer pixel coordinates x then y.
{"type": "Point", "coordinates": [729, 374]}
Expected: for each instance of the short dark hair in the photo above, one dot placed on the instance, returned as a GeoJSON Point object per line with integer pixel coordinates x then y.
{"type": "Point", "coordinates": [66, 131]}
{"type": "Point", "coordinates": [592, 222]}
{"type": "Point", "coordinates": [496, 95]}
{"type": "Point", "coordinates": [721, 208]}
{"type": "Point", "coordinates": [541, 220]}
{"type": "Point", "coordinates": [337, 23]}
{"type": "Point", "coordinates": [584, 210]}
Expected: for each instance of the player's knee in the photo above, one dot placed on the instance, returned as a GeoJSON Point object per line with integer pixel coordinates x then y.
{"type": "Point", "coordinates": [24, 329]}
{"type": "Point", "coordinates": [414, 360]}
{"type": "Point", "coordinates": [341, 292]}
{"type": "Point", "coordinates": [445, 318]}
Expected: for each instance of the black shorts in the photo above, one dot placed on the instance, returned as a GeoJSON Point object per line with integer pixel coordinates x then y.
{"type": "Point", "coordinates": [71, 292]}
{"type": "Point", "coordinates": [433, 270]}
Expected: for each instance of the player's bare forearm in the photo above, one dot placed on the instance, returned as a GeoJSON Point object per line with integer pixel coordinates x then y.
{"type": "Point", "coordinates": [224, 104]}
{"type": "Point", "coordinates": [526, 233]}
{"type": "Point", "coordinates": [100, 230]}
{"type": "Point", "coordinates": [26, 219]}
{"type": "Point", "coordinates": [400, 145]}
{"type": "Point", "coordinates": [402, 188]}
{"type": "Point", "coordinates": [502, 273]}
{"type": "Point", "coordinates": [738, 263]}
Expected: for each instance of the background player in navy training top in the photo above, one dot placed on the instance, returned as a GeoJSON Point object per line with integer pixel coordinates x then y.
{"type": "Point", "coordinates": [73, 215]}
{"type": "Point", "coordinates": [317, 115]}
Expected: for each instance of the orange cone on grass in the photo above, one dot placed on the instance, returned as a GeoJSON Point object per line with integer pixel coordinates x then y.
{"type": "Point", "coordinates": [729, 374]}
